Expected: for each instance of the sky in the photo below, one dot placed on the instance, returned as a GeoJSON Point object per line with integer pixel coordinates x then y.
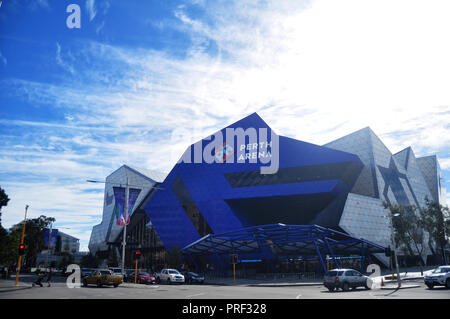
{"type": "Point", "coordinates": [139, 81]}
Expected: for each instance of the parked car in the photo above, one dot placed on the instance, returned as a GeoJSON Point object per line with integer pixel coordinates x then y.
{"type": "Point", "coordinates": [439, 277]}
{"type": "Point", "coordinates": [169, 276]}
{"type": "Point", "coordinates": [345, 279]}
{"type": "Point", "coordinates": [142, 278]}
{"type": "Point", "coordinates": [192, 277]}
{"type": "Point", "coordinates": [86, 271]}
{"type": "Point", "coordinates": [102, 277]}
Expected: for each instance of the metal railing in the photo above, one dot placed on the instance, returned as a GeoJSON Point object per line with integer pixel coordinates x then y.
{"type": "Point", "coordinates": [298, 277]}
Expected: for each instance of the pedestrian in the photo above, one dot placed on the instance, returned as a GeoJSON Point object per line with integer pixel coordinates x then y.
{"type": "Point", "coordinates": [41, 276]}
{"type": "Point", "coordinates": [49, 277]}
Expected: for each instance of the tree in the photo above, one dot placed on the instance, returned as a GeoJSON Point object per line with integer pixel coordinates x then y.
{"type": "Point", "coordinates": [408, 231]}
{"type": "Point", "coordinates": [435, 219]}
{"type": "Point", "coordinates": [174, 257]}
{"type": "Point", "coordinates": [8, 247]}
{"type": "Point", "coordinates": [34, 238]}
{"type": "Point", "coordinates": [90, 261]}
{"type": "Point", "coordinates": [4, 199]}
{"type": "Point", "coordinates": [67, 260]}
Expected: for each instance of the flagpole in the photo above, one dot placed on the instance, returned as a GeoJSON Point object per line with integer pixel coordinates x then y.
{"type": "Point", "coordinates": [125, 214]}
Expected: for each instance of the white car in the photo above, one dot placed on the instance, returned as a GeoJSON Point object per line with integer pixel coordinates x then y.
{"type": "Point", "coordinates": [170, 276]}
{"type": "Point", "coordinates": [439, 277]}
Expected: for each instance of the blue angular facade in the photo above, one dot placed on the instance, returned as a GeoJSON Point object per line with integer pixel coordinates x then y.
{"type": "Point", "coordinates": [198, 198]}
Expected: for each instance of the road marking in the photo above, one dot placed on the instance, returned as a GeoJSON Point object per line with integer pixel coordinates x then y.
{"type": "Point", "coordinates": [298, 296]}
{"type": "Point", "coordinates": [195, 295]}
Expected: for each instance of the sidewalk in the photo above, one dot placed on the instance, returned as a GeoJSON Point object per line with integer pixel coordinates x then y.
{"type": "Point", "coordinates": [9, 285]}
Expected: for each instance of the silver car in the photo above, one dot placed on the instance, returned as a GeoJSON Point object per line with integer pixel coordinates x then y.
{"type": "Point", "coordinates": [439, 277]}
{"type": "Point", "coordinates": [345, 279]}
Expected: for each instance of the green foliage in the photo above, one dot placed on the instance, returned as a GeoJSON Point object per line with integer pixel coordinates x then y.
{"type": "Point", "coordinates": [408, 230]}
{"type": "Point", "coordinates": [33, 240]}
{"type": "Point", "coordinates": [9, 244]}
{"type": "Point", "coordinates": [4, 199]}
{"type": "Point", "coordinates": [174, 257]}
{"type": "Point", "coordinates": [435, 219]}
{"type": "Point", "coordinates": [90, 261]}
{"type": "Point", "coordinates": [66, 260]}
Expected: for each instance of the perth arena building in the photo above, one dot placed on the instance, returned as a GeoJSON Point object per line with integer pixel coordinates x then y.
{"type": "Point", "coordinates": [249, 192]}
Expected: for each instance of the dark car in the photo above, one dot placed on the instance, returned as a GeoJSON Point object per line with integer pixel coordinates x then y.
{"type": "Point", "coordinates": [142, 278]}
{"type": "Point", "coordinates": [192, 277]}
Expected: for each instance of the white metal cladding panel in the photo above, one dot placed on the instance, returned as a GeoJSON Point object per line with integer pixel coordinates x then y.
{"type": "Point", "coordinates": [365, 217]}
{"type": "Point", "coordinates": [429, 170]}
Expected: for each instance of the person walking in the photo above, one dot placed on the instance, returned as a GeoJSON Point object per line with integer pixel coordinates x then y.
{"type": "Point", "coordinates": [41, 276]}
{"type": "Point", "coordinates": [49, 277]}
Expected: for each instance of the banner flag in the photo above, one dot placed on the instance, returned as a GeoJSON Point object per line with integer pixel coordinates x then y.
{"type": "Point", "coordinates": [122, 217]}
{"type": "Point", "coordinates": [119, 197]}
{"type": "Point", "coordinates": [53, 238]}
{"type": "Point", "coordinates": [132, 197]}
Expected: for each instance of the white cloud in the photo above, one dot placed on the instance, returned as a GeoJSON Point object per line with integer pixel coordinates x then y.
{"type": "Point", "coordinates": [60, 61]}
{"type": "Point", "coordinates": [3, 59]}
{"type": "Point", "coordinates": [91, 8]}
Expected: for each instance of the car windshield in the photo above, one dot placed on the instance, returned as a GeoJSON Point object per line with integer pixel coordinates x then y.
{"type": "Point", "coordinates": [193, 274]}
{"type": "Point", "coordinates": [105, 272]}
{"type": "Point", "coordinates": [173, 272]}
{"type": "Point", "coordinates": [144, 274]}
{"type": "Point", "coordinates": [441, 270]}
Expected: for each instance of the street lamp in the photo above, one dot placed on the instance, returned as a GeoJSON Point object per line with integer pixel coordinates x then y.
{"type": "Point", "coordinates": [127, 193]}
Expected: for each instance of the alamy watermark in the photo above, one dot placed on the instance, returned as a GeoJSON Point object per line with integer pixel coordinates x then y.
{"type": "Point", "coordinates": [74, 19]}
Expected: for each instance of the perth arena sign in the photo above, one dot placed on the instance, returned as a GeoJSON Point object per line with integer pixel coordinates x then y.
{"type": "Point", "coordinates": [253, 146]}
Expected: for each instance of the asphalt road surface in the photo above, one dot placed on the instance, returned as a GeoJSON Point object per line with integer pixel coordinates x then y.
{"type": "Point", "coordinates": [130, 291]}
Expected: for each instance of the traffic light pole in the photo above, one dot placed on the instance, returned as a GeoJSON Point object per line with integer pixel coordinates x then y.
{"type": "Point", "coordinates": [21, 242]}
{"type": "Point", "coordinates": [135, 271]}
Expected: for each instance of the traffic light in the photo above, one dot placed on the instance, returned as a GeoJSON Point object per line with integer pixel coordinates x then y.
{"type": "Point", "coordinates": [138, 254]}
{"type": "Point", "coordinates": [235, 259]}
{"type": "Point", "coordinates": [388, 251]}
{"type": "Point", "coordinates": [21, 249]}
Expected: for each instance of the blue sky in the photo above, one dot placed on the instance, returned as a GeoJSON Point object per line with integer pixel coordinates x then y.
{"type": "Point", "coordinates": [76, 104]}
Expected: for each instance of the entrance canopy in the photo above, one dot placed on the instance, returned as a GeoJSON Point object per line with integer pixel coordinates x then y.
{"type": "Point", "coordinates": [284, 240]}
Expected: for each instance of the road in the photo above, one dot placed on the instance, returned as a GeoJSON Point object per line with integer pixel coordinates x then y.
{"type": "Point", "coordinates": [187, 292]}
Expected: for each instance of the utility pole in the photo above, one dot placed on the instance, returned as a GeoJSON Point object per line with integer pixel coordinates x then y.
{"type": "Point", "coordinates": [21, 242]}
{"type": "Point", "coordinates": [399, 283]}
{"type": "Point", "coordinates": [49, 243]}
{"type": "Point", "coordinates": [125, 209]}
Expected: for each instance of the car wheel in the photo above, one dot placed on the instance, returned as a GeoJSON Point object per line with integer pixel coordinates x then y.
{"type": "Point", "coordinates": [85, 284]}
{"type": "Point", "coordinates": [158, 281]}
{"type": "Point", "coordinates": [430, 286]}
{"type": "Point", "coordinates": [115, 285]}
{"type": "Point", "coordinates": [168, 281]}
{"type": "Point", "coordinates": [99, 283]}
{"type": "Point", "coordinates": [366, 287]}
{"type": "Point", "coordinates": [331, 289]}
{"type": "Point", "coordinates": [345, 286]}
{"type": "Point", "coordinates": [447, 283]}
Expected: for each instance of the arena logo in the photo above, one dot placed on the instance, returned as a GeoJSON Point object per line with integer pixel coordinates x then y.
{"type": "Point", "coordinates": [223, 152]}
{"type": "Point", "coordinates": [257, 146]}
